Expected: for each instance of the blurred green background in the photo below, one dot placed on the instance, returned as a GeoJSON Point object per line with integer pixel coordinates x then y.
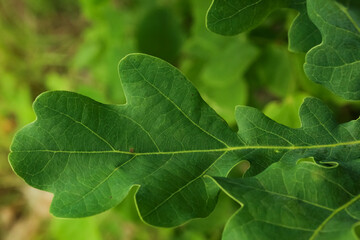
{"type": "Point", "coordinates": [76, 45]}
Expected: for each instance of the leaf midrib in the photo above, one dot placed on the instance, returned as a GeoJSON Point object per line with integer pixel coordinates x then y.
{"type": "Point", "coordinates": [228, 149]}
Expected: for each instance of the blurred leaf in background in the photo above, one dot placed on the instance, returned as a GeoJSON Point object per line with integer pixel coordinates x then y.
{"type": "Point", "coordinates": [76, 46]}
{"type": "Point", "coordinates": [159, 34]}
{"type": "Point", "coordinates": [216, 65]}
{"type": "Point", "coordinates": [38, 38]}
{"type": "Point", "coordinates": [117, 28]}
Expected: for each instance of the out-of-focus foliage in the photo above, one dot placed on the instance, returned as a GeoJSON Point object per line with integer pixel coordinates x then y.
{"type": "Point", "coordinates": [217, 65]}
{"type": "Point", "coordinates": [76, 45]}
{"type": "Point", "coordinates": [230, 17]}
{"type": "Point", "coordinates": [327, 30]}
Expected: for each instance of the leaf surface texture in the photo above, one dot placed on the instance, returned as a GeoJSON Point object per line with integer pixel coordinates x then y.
{"type": "Point", "coordinates": [231, 17]}
{"type": "Point", "coordinates": [306, 201]}
{"type": "Point", "coordinates": [335, 63]}
{"type": "Point", "coordinates": [164, 139]}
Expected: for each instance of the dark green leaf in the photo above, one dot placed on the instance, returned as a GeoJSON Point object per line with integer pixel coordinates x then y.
{"type": "Point", "coordinates": [306, 201]}
{"type": "Point", "coordinates": [303, 34]}
{"type": "Point", "coordinates": [165, 139]}
{"type": "Point", "coordinates": [230, 17]}
{"type": "Point", "coordinates": [90, 154]}
{"type": "Point", "coordinates": [336, 62]}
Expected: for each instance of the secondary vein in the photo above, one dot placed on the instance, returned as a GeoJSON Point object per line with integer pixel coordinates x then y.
{"type": "Point", "coordinates": [176, 106]}
{"type": "Point", "coordinates": [336, 211]}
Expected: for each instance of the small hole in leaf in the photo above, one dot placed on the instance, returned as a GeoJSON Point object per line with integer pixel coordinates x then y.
{"type": "Point", "coordinates": [239, 169]}
{"type": "Point", "coordinates": [329, 164]}
{"type": "Point", "coordinates": [320, 163]}
{"type": "Point", "coordinates": [357, 231]}
{"type": "Point", "coordinates": [308, 160]}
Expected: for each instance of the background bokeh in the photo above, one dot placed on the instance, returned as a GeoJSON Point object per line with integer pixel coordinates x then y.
{"type": "Point", "coordinates": [76, 45]}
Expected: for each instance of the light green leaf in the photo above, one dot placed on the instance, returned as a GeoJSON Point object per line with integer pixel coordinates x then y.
{"type": "Point", "coordinates": [335, 63]}
{"type": "Point", "coordinates": [222, 82]}
{"type": "Point", "coordinates": [165, 139]}
{"type": "Point", "coordinates": [306, 201]}
{"type": "Point", "coordinates": [286, 111]}
{"type": "Point", "coordinates": [81, 229]}
{"type": "Point", "coordinates": [212, 66]}
{"type": "Point", "coordinates": [231, 17]}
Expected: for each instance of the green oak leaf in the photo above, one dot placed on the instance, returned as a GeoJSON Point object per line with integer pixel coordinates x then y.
{"type": "Point", "coordinates": [335, 63]}
{"type": "Point", "coordinates": [231, 17]}
{"type": "Point", "coordinates": [305, 201]}
{"type": "Point", "coordinates": [164, 140]}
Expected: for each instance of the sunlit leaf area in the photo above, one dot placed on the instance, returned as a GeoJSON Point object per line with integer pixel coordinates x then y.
{"type": "Point", "coordinates": [179, 119]}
